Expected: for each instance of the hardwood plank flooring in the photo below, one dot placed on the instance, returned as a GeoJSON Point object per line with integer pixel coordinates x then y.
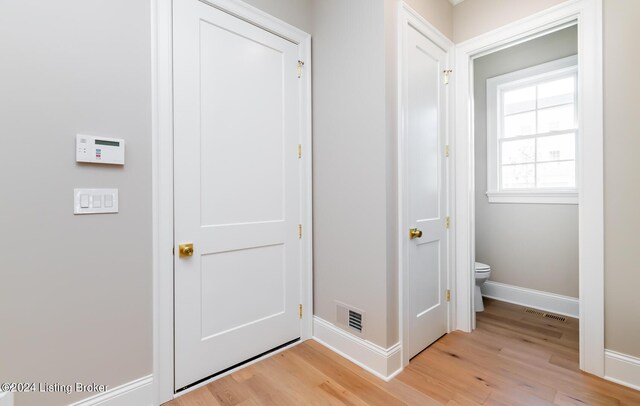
{"type": "Point", "coordinates": [512, 358]}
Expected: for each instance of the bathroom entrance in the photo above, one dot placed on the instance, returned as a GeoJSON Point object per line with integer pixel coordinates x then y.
{"type": "Point", "coordinates": [528, 151]}
{"type": "Point", "coordinates": [526, 138]}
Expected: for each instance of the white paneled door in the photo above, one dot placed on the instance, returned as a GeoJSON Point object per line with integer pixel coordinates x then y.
{"type": "Point", "coordinates": [237, 191]}
{"type": "Point", "coordinates": [426, 177]}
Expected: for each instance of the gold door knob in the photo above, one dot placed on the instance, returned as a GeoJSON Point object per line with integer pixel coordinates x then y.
{"type": "Point", "coordinates": [185, 250]}
{"type": "Point", "coordinates": [414, 233]}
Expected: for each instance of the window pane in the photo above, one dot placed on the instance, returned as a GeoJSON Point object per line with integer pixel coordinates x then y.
{"type": "Point", "coordinates": [557, 147]}
{"type": "Point", "coordinates": [519, 124]}
{"type": "Point", "coordinates": [557, 92]}
{"type": "Point", "coordinates": [557, 175]}
{"type": "Point", "coordinates": [519, 100]}
{"type": "Point", "coordinates": [518, 151]}
{"type": "Point", "coordinates": [518, 176]}
{"type": "Point", "coordinates": [556, 118]}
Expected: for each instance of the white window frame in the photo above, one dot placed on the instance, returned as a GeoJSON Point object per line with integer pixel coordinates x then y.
{"type": "Point", "coordinates": [495, 87]}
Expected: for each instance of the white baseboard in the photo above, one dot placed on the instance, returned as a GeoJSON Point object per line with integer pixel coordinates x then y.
{"type": "Point", "coordinates": [385, 363]}
{"type": "Point", "coordinates": [138, 392]}
{"type": "Point", "coordinates": [550, 302]}
{"type": "Point", "coordinates": [622, 368]}
{"type": "Point", "coordinates": [6, 399]}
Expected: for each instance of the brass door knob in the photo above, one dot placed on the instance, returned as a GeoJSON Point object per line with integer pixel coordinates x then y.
{"type": "Point", "coordinates": [186, 250]}
{"type": "Point", "coordinates": [414, 233]}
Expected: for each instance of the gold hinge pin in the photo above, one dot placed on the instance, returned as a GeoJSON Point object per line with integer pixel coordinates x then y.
{"type": "Point", "coordinates": [301, 311]}
{"type": "Point", "coordinates": [300, 65]}
{"type": "Point", "coordinates": [446, 151]}
{"type": "Point", "coordinates": [448, 295]}
{"type": "Point", "coordinates": [300, 231]}
{"type": "Point", "coordinates": [448, 221]}
{"type": "Point", "coordinates": [299, 151]}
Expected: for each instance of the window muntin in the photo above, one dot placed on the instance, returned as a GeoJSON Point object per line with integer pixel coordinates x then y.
{"type": "Point", "coordinates": [537, 132]}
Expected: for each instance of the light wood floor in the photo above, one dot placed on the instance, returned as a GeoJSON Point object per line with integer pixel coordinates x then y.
{"type": "Point", "coordinates": [512, 358]}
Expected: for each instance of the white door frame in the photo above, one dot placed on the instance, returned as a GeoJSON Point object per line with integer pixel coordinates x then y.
{"type": "Point", "coordinates": [162, 181]}
{"type": "Point", "coordinates": [408, 16]}
{"type": "Point", "coordinates": [588, 14]}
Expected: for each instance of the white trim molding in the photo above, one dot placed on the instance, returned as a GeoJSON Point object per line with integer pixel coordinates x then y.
{"type": "Point", "coordinates": [622, 369]}
{"type": "Point", "coordinates": [533, 197]}
{"type": "Point", "coordinates": [549, 302]}
{"type": "Point", "coordinates": [408, 17]}
{"type": "Point", "coordinates": [385, 363]}
{"type": "Point", "coordinates": [590, 174]}
{"type": "Point", "coordinates": [162, 176]}
{"type": "Point", "coordinates": [138, 392]}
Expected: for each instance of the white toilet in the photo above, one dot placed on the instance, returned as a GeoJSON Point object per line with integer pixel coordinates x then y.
{"type": "Point", "coordinates": [483, 271]}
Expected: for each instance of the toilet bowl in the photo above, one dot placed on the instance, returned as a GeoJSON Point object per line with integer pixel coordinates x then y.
{"type": "Point", "coordinates": [483, 271]}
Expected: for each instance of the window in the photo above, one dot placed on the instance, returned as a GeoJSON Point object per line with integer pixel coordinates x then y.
{"type": "Point", "coordinates": [532, 134]}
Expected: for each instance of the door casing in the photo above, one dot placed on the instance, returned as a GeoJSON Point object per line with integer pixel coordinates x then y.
{"type": "Point", "coordinates": [407, 16]}
{"type": "Point", "coordinates": [162, 179]}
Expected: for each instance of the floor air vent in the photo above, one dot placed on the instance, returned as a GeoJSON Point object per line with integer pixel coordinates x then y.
{"type": "Point", "coordinates": [547, 315]}
{"type": "Point", "coordinates": [350, 319]}
{"type": "Point", "coordinates": [535, 312]}
{"type": "Point", "coordinates": [355, 320]}
{"type": "Point", "coordinates": [555, 317]}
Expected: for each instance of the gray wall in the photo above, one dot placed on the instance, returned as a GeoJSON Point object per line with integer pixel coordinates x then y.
{"type": "Point", "coordinates": [474, 17]}
{"type": "Point", "coordinates": [621, 176]}
{"type": "Point", "coordinates": [533, 246]}
{"type": "Point", "coordinates": [350, 154]}
{"type": "Point", "coordinates": [75, 290]}
{"type": "Point", "coordinates": [438, 12]}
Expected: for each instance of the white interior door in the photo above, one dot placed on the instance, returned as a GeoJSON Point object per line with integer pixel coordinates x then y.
{"type": "Point", "coordinates": [237, 191]}
{"type": "Point", "coordinates": [427, 204]}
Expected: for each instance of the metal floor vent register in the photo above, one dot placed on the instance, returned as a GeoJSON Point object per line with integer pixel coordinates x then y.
{"type": "Point", "coordinates": [355, 320]}
{"type": "Point", "coordinates": [547, 315]}
{"type": "Point", "coordinates": [350, 319]}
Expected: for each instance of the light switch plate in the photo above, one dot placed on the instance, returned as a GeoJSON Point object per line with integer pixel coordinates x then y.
{"type": "Point", "coordinates": [95, 201]}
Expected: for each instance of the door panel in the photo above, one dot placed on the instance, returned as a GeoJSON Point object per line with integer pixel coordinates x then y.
{"type": "Point", "coordinates": [427, 262]}
{"type": "Point", "coordinates": [266, 299]}
{"type": "Point", "coordinates": [246, 141]}
{"type": "Point", "coordinates": [237, 191]}
{"type": "Point", "coordinates": [426, 289]}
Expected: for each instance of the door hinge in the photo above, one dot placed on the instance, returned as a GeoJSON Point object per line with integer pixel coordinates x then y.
{"type": "Point", "coordinates": [300, 311]}
{"type": "Point", "coordinates": [448, 295]}
{"type": "Point", "coordinates": [446, 151]}
{"type": "Point", "coordinates": [299, 231]}
{"type": "Point", "coordinates": [300, 65]}
{"type": "Point", "coordinates": [299, 151]}
{"type": "Point", "coordinates": [447, 73]}
{"type": "Point", "coordinates": [447, 221]}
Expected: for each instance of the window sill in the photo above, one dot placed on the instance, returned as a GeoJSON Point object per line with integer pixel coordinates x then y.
{"type": "Point", "coordinates": [533, 197]}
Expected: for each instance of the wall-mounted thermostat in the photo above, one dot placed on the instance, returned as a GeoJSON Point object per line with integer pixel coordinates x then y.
{"type": "Point", "coordinates": [99, 150]}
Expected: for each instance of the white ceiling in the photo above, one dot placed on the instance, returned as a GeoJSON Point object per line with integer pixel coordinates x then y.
{"type": "Point", "coordinates": [454, 2]}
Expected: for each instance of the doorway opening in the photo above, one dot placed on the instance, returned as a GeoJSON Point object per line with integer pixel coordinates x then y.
{"type": "Point", "coordinates": [526, 139]}
{"type": "Point", "coordinates": [510, 167]}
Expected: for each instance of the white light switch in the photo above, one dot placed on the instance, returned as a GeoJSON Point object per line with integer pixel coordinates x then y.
{"type": "Point", "coordinates": [84, 201]}
{"type": "Point", "coordinates": [95, 201]}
